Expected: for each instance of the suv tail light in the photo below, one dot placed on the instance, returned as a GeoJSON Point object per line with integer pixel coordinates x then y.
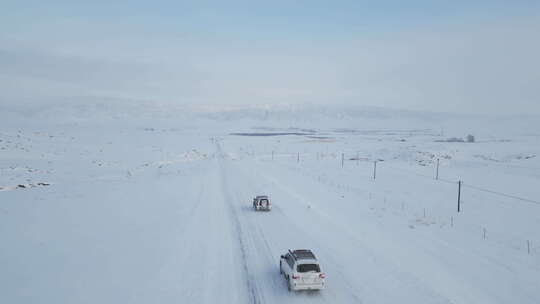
{"type": "Point", "coordinates": [295, 277]}
{"type": "Point", "coordinates": [322, 275]}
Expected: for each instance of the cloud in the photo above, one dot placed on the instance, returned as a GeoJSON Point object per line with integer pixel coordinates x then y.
{"type": "Point", "coordinates": [474, 67]}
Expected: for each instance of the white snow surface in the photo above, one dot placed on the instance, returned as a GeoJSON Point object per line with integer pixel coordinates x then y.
{"type": "Point", "coordinates": [156, 207]}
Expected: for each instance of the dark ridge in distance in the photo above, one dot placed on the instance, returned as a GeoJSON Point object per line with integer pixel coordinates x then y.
{"type": "Point", "coordinates": [271, 134]}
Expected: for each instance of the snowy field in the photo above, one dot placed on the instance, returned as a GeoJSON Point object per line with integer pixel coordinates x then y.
{"type": "Point", "coordinates": [156, 207]}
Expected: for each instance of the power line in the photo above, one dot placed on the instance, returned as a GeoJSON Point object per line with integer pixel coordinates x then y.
{"type": "Point", "coordinates": [470, 186]}
{"type": "Point", "coordinates": [502, 194]}
{"type": "Point", "coordinates": [465, 185]}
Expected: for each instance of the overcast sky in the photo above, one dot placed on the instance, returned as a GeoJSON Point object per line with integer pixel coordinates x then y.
{"type": "Point", "coordinates": [457, 56]}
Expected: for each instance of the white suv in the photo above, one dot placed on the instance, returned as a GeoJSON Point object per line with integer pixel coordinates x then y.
{"type": "Point", "coordinates": [301, 270]}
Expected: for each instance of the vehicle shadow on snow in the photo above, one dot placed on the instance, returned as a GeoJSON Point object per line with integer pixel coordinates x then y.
{"type": "Point", "coordinates": [249, 208]}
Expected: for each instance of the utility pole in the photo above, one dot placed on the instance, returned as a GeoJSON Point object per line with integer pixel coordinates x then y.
{"type": "Point", "coordinates": [459, 197]}
{"type": "Point", "coordinates": [374, 169]}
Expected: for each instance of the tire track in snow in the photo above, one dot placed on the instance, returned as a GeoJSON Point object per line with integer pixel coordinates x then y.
{"type": "Point", "coordinates": [261, 244]}
{"type": "Point", "coordinates": [255, 296]}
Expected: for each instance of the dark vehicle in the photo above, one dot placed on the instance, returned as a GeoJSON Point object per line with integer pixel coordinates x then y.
{"type": "Point", "coordinates": [262, 202]}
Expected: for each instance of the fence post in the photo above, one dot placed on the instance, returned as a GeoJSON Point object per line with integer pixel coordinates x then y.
{"type": "Point", "coordinates": [298, 157]}
{"type": "Point", "coordinates": [459, 197]}
{"type": "Point", "coordinates": [374, 169]}
{"type": "Point", "coordinates": [342, 159]}
{"type": "Point", "coordinates": [437, 171]}
{"type": "Point", "coordinates": [528, 247]}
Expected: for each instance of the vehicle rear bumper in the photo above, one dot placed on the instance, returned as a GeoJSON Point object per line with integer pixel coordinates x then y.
{"type": "Point", "coordinates": [302, 286]}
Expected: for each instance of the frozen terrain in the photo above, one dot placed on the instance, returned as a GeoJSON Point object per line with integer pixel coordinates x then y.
{"type": "Point", "coordinates": [99, 205]}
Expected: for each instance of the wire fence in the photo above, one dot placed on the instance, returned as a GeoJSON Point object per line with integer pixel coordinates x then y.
{"type": "Point", "coordinates": [520, 243]}
{"type": "Point", "coordinates": [297, 157]}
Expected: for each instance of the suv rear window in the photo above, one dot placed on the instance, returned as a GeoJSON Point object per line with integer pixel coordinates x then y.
{"type": "Point", "coordinates": [308, 268]}
{"type": "Point", "coordinates": [263, 202]}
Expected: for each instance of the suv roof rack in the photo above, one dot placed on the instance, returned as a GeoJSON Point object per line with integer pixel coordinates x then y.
{"type": "Point", "coordinates": [302, 254]}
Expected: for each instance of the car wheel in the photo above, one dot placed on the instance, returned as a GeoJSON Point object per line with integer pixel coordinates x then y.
{"type": "Point", "coordinates": [289, 284]}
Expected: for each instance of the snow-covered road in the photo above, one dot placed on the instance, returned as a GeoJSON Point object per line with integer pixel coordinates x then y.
{"type": "Point", "coordinates": [178, 227]}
